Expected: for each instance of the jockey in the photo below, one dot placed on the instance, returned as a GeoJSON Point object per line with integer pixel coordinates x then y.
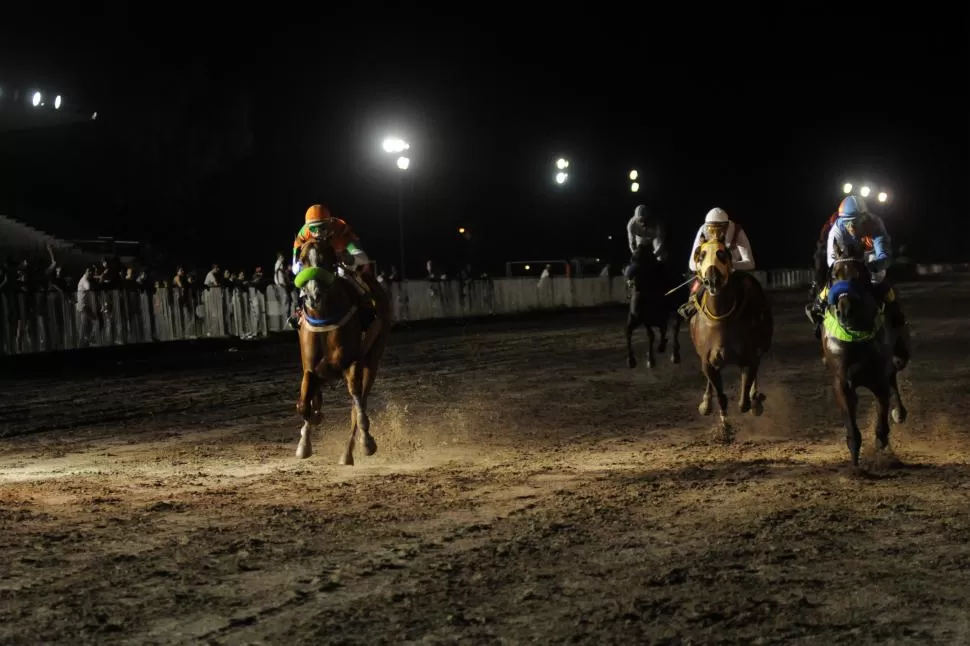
{"type": "Point", "coordinates": [341, 237]}
{"type": "Point", "coordinates": [865, 234]}
{"type": "Point", "coordinates": [717, 223]}
{"type": "Point", "coordinates": [644, 230]}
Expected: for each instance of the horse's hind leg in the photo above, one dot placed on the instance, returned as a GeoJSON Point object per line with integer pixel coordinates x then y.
{"type": "Point", "coordinates": [662, 346]}
{"type": "Point", "coordinates": [750, 397]}
{"type": "Point", "coordinates": [631, 325]}
{"type": "Point", "coordinates": [899, 411]}
{"type": "Point", "coordinates": [882, 394]}
{"type": "Point", "coordinates": [848, 401]}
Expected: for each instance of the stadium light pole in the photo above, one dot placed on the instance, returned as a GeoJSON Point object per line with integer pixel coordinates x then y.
{"type": "Point", "coordinates": [397, 146]}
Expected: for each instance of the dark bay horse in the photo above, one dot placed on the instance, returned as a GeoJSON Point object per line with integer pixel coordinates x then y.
{"type": "Point", "coordinates": [651, 306]}
{"type": "Point", "coordinates": [733, 326]}
{"type": "Point", "coordinates": [857, 347]}
{"type": "Point", "coordinates": [342, 334]}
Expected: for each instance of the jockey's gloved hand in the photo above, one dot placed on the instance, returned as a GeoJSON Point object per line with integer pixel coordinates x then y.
{"type": "Point", "coordinates": [297, 267]}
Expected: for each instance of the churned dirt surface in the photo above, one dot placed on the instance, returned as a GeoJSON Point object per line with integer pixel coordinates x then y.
{"type": "Point", "coordinates": [528, 487]}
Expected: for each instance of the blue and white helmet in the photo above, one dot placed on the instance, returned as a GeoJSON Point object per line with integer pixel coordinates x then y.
{"type": "Point", "coordinates": [852, 207]}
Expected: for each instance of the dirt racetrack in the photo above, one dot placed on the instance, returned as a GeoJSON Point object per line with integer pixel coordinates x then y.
{"type": "Point", "coordinates": [528, 487]}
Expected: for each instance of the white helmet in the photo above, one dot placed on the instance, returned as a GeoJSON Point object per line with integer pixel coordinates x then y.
{"type": "Point", "coordinates": [716, 215]}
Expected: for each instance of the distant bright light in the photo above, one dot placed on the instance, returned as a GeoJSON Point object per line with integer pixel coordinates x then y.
{"type": "Point", "coordinates": [57, 102]}
{"type": "Point", "coordinates": [847, 188]}
{"type": "Point", "coordinates": [597, 260]}
{"type": "Point", "coordinates": [609, 237]}
{"type": "Point", "coordinates": [36, 99]}
{"type": "Point", "coordinates": [527, 267]}
{"type": "Point", "coordinates": [634, 175]}
{"type": "Point", "coordinates": [864, 191]}
{"type": "Point", "coordinates": [403, 163]}
{"type": "Point", "coordinates": [634, 187]}
{"type": "Point", "coordinates": [94, 116]}
{"type": "Point", "coordinates": [461, 229]}
{"type": "Point", "coordinates": [562, 164]}
{"type": "Point", "coordinates": [561, 177]}
{"type": "Point", "coordinates": [882, 197]}
{"type": "Point", "coordinates": [395, 145]}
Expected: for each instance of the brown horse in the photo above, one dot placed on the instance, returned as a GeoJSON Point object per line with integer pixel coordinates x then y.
{"type": "Point", "coordinates": [733, 326]}
{"type": "Point", "coordinates": [857, 347]}
{"type": "Point", "coordinates": [342, 333]}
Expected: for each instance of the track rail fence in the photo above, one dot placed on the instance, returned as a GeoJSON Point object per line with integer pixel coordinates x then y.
{"type": "Point", "coordinates": [51, 321]}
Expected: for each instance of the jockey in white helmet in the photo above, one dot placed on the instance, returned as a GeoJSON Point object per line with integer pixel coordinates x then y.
{"type": "Point", "coordinates": [717, 223]}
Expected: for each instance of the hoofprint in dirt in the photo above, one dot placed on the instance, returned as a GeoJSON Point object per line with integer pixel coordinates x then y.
{"type": "Point", "coordinates": [528, 487]}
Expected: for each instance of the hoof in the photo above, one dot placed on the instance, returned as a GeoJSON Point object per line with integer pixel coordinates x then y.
{"type": "Point", "coordinates": [347, 460]}
{"type": "Point", "coordinates": [650, 363]}
{"type": "Point", "coordinates": [899, 415]}
{"type": "Point", "coordinates": [704, 408]}
{"type": "Point", "coordinates": [744, 407]}
{"type": "Point", "coordinates": [662, 347]}
{"type": "Point", "coordinates": [304, 450]}
{"type": "Point", "coordinates": [631, 362]}
{"type": "Point", "coordinates": [722, 433]}
{"type": "Point", "coordinates": [675, 357]}
{"type": "Point", "coordinates": [370, 446]}
{"type": "Point", "coordinates": [757, 408]}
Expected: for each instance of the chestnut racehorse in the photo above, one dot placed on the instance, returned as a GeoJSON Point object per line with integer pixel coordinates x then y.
{"type": "Point", "coordinates": [733, 326]}
{"type": "Point", "coordinates": [342, 333]}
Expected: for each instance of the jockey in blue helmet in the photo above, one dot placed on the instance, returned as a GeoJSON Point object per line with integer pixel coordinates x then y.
{"type": "Point", "coordinates": [865, 234]}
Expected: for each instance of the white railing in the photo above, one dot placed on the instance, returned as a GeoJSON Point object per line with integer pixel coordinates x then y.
{"type": "Point", "coordinates": [48, 321]}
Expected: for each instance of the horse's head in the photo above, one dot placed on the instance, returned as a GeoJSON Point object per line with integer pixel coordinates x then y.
{"type": "Point", "coordinates": [714, 263]}
{"type": "Point", "coordinates": [849, 290]}
{"type": "Point", "coordinates": [319, 272]}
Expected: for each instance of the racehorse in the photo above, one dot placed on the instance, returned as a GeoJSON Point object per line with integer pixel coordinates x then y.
{"type": "Point", "coordinates": [341, 334]}
{"type": "Point", "coordinates": [857, 347]}
{"type": "Point", "coordinates": [733, 326]}
{"type": "Point", "coordinates": [651, 307]}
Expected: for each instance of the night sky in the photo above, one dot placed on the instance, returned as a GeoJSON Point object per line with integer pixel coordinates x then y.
{"type": "Point", "coordinates": [216, 132]}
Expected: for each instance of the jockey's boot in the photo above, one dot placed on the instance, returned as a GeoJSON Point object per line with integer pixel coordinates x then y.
{"type": "Point", "coordinates": [689, 308]}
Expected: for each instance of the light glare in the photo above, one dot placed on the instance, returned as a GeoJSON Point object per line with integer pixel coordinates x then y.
{"type": "Point", "coordinates": [395, 145]}
{"type": "Point", "coordinates": [561, 177]}
{"type": "Point", "coordinates": [847, 188]}
{"type": "Point", "coordinates": [36, 99]}
{"type": "Point", "coordinates": [634, 187]}
{"type": "Point", "coordinates": [882, 197]}
{"type": "Point", "coordinates": [403, 163]}
{"type": "Point", "coordinates": [562, 164]}
{"type": "Point", "coordinates": [634, 175]}
{"type": "Point", "coordinates": [57, 102]}
{"type": "Point", "coordinates": [864, 191]}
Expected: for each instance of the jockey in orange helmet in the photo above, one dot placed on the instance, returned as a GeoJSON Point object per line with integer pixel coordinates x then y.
{"type": "Point", "coordinates": [340, 236]}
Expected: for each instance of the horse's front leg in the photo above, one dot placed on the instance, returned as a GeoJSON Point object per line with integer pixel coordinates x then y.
{"type": "Point", "coordinates": [651, 359]}
{"type": "Point", "coordinates": [308, 406]}
{"type": "Point", "coordinates": [716, 384]}
{"type": "Point", "coordinates": [848, 401]}
{"type": "Point", "coordinates": [674, 322]}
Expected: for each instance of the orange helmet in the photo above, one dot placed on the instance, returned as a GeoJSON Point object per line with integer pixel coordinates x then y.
{"type": "Point", "coordinates": [317, 213]}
